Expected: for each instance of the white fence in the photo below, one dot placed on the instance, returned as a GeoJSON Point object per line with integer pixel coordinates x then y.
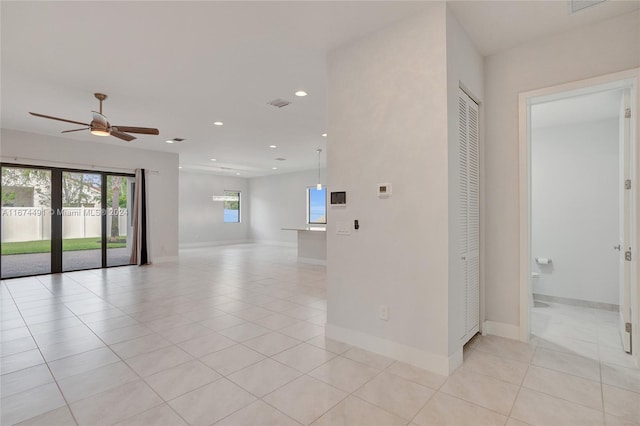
{"type": "Point", "coordinates": [34, 223]}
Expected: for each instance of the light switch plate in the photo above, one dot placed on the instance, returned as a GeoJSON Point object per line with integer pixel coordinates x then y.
{"type": "Point", "coordinates": [343, 227]}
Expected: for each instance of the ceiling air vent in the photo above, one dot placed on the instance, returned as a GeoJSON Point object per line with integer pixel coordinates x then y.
{"type": "Point", "coordinates": [578, 5]}
{"type": "Point", "coordinates": [281, 159]}
{"type": "Point", "coordinates": [178, 139]}
{"type": "Point", "coordinates": [279, 103]}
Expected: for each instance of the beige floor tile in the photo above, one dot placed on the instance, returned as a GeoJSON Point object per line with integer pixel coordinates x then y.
{"type": "Point", "coordinates": [572, 388]}
{"type": "Point", "coordinates": [30, 403]}
{"type": "Point", "coordinates": [221, 322]}
{"type": "Point", "coordinates": [621, 377]}
{"type": "Point", "coordinates": [567, 363]}
{"type": "Point", "coordinates": [571, 346]}
{"type": "Point", "coordinates": [445, 410]}
{"type": "Point", "coordinates": [621, 403]}
{"type": "Point", "coordinates": [303, 331]}
{"type": "Point", "coordinates": [500, 368]}
{"type": "Point", "coordinates": [232, 359]}
{"type": "Point", "coordinates": [264, 377]}
{"type": "Point", "coordinates": [162, 415]}
{"type": "Point", "coordinates": [329, 344]}
{"type": "Point", "coordinates": [258, 413]}
{"type": "Point", "coordinates": [210, 403]}
{"type": "Point", "coordinates": [305, 399]}
{"type": "Point", "coordinates": [71, 347]}
{"type": "Point", "coordinates": [276, 321]}
{"type": "Point", "coordinates": [537, 408]}
{"type": "Point", "coordinates": [158, 360]}
{"type": "Point", "coordinates": [122, 334]}
{"type": "Point", "coordinates": [22, 380]}
{"type": "Point", "coordinates": [616, 356]}
{"type": "Point", "coordinates": [19, 361]}
{"type": "Point", "coordinates": [82, 362]}
{"type": "Point", "coordinates": [271, 343]}
{"type": "Point", "coordinates": [206, 344]}
{"type": "Point", "coordinates": [58, 417]}
{"type": "Point", "coordinates": [116, 404]}
{"type": "Point", "coordinates": [243, 332]}
{"type": "Point", "coordinates": [94, 381]}
{"type": "Point", "coordinates": [253, 313]}
{"type": "Point", "coordinates": [64, 335]}
{"type": "Point", "coordinates": [417, 375]}
{"type": "Point", "coordinates": [369, 358]}
{"type": "Point", "coordinates": [183, 378]}
{"type": "Point", "coordinates": [506, 348]}
{"type": "Point", "coordinates": [185, 332]}
{"type": "Point", "coordinates": [344, 373]}
{"type": "Point", "coordinates": [395, 394]}
{"type": "Point", "coordinates": [17, 346]}
{"type": "Point", "coordinates": [354, 411]}
{"type": "Point", "coordinates": [482, 390]}
{"type": "Point", "coordinates": [304, 357]}
{"type": "Point", "coordinates": [140, 346]}
{"type": "Point", "coordinates": [611, 420]}
{"type": "Point", "coordinates": [514, 422]}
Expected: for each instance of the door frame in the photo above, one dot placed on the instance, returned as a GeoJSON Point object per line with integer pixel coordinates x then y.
{"type": "Point", "coordinates": [624, 79]}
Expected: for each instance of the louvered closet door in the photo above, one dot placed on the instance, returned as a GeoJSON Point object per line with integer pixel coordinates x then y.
{"type": "Point", "coordinates": [469, 214]}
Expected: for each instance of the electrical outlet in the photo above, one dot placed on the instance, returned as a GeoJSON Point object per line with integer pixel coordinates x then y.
{"type": "Point", "coordinates": [383, 312]}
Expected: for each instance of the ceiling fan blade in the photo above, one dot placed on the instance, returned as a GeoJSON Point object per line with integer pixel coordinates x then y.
{"type": "Point", "coordinates": [59, 119]}
{"type": "Point", "coordinates": [120, 135]}
{"type": "Point", "coordinates": [75, 130]}
{"type": "Point", "coordinates": [142, 130]}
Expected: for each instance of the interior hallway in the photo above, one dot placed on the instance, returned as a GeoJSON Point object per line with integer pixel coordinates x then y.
{"type": "Point", "coordinates": [233, 335]}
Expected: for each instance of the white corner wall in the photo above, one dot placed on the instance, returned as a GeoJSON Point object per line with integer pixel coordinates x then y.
{"type": "Point", "coordinates": [598, 49]}
{"type": "Point", "coordinates": [202, 219]}
{"type": "Point", "coordinates": [280, 201]}
{"type": "Point", "coordinates": [388, 123]}
{"type": "Point", "coordinates": [574, 214]}
{"type": "Point", "coordinates": [30, 148]}
{"type": "Point", "coordinates": [464, 69]}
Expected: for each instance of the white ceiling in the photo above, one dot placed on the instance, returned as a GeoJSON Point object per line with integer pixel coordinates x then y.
{"type": "Point", "coordinates": [180, 66]}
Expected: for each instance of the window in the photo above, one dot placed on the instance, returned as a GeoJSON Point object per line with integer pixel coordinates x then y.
{"type": "Point", "coordinates": [316, 205]}
{"type": "Point", "coordinates": [232, 207]}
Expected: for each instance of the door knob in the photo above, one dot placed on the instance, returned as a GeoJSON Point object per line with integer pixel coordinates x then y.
{"type": "Point", "coordinates": [617, 247]}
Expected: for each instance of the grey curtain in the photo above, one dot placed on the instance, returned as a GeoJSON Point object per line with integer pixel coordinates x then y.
{"type": "Point", "coordinates": [139, 247]}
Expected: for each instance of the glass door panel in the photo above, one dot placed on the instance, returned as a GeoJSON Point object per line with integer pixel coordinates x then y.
{"type": "Point", "coordinates": [119, 222]}
{"type": "Point", "coordinates": [81, 221]}
{"type": "Point", "coordinates": [26, 222]}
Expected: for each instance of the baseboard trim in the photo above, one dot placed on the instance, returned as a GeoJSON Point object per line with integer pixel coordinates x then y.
{"type": "Point", "coordinates": [501, 329]}
{"type": "Point", "coordinates": [577, 302]}
{"type": "Point", "coordinates": [312, 261]}
{"type": "Point", "coordinates": [426, 360]}
{"type": "Point", "coordinates": [212, 244]}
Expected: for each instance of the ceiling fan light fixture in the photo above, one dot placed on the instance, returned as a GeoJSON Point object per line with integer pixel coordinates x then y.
{"type": "Point", "coordinates": [100, 132]}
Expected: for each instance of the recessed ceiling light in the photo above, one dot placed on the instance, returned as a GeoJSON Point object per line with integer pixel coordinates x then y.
{"type": "Point", "coordinates": [272, 146]}
{"type": "Point", "coordinates": [218, 123]}
{"type": "Point", "coordinates": [324, 135]}
{"type": "Point", "coordinates": [214, 159]}
{"type": "Point", "coordinates": [301, 93]}
{"type": "Point", "coordinates": [169, 141]}
{"type": "Point", "coordinates": [179, 167]}
{"type": "Point", "coordinates": [274, 168]}
{"type": "Point", "coordinates": [238, 174]}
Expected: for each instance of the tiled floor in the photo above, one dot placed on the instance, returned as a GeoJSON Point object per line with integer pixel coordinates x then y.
{"type": "Point", "coordinates": [234, 336]}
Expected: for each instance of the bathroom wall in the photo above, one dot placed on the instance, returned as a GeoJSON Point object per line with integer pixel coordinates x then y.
{"type": "Point", "coordinates": [575, 210]}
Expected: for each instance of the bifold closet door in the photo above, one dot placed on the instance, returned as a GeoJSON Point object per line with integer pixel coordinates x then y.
{"type": "Point", "coordinates": [469, 214]}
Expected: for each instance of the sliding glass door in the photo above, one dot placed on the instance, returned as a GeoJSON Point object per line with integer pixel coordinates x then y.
{"type": "Point", "coordinates": [56, 220]}
{"type": "Point", "coordinates": [26, 222]}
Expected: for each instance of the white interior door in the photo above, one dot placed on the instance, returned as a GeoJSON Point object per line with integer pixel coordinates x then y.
{"type": "Point", "coordinates": [626, 253]}
{"type": "Point", "coordinates": [469, 214]}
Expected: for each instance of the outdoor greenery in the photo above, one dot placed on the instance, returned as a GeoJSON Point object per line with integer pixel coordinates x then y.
{"type": "Point", "coordinates": [44, 246]}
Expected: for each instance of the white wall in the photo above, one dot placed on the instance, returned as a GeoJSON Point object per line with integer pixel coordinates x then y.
{"type": "Point", "coordinates": [280, 201]}
{"type": "Point", "coordinates": [464, 69]}
{"type": "Point", "coordinates": [598, 49]}
{"type": "Point", "coordinates": [201, 219]}
{"type": "Point", "coordinates": [574, 183]}
{"type": "Point", "coordinates": [30, 148]}
{"type": "Point", "coordinates": [388, 123]}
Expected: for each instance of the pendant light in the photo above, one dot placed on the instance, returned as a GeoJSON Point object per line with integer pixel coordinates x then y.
{"type": "Point", "coordinates": [319, 185]}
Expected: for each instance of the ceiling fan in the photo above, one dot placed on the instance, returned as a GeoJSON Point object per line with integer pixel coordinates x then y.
{"type": "Point", "coordinates": [99, 126]}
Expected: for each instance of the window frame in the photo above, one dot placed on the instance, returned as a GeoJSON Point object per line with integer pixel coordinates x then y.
{"type": "Point", "coordinates": [308, 191]}
{"type": "Point", "coordinates": [228, 192]}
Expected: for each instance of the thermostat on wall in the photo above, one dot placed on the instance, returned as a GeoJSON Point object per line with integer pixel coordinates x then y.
{"type": "Point", "coordinates": [384, 190]}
